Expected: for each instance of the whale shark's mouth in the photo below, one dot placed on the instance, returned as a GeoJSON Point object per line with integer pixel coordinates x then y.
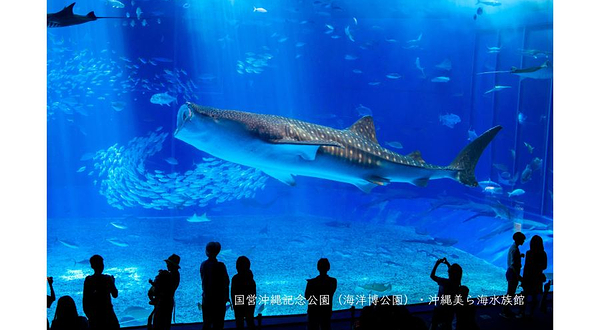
{"type": "Point", "coordinates": [184, 115]}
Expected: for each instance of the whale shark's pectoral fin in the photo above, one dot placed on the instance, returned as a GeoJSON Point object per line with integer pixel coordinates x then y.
{"type": "Point", "coordinates": [378, 180]}
{"type": "Point", "coordinates": [305, 149]}
{"type": "Point", "coordinates": [284, 177]}
{"type": "Point", "coordinates": [365, 186]}
{"type": "Point", "coordinates": [368, 184]}
{"type": "Point", "coordinates": [421, 182]}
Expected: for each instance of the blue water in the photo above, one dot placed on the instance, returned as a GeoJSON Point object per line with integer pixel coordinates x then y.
{"type": "Point", "coordinates": [117, 175]}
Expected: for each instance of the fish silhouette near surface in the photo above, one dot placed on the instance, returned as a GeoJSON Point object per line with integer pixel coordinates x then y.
{"type": "Point", "coordinates": [66, 17]}
{"type": "Point", "coordinates": [283, 148]}
{"type": "Point", "coordinates": [543, 71]}
{"type": "Point", "coordinates": [379, 287]}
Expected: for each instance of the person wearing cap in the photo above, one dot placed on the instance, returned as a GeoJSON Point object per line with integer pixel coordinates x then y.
{"type": "Point", "coordinates": [215, 288]}
{"type": "Point", "coordinates": [162, 294]}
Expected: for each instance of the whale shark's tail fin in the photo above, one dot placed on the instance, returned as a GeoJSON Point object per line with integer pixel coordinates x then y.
{"type": "Point", "coordinates": [465, 162]}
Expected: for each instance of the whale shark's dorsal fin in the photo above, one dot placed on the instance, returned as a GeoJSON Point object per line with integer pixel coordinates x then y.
{"type": "Point", "coordinates": [364, 127]}
{"type": "Point", "coordinates": [68, 11]}
{"type": "Point", "coordinates": [416, 155]}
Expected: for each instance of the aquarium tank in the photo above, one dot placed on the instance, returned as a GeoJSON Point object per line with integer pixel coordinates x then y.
{"type": "Point", "coordinates": [349, 144]}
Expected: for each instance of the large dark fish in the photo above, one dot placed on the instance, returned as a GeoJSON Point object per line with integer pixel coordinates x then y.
{"type": "Point", "coordinates": [543, 71]}
{"type": "Point", "coordinates": [283, 147]}
{"type": "Point", "coordinates": [66, 17]}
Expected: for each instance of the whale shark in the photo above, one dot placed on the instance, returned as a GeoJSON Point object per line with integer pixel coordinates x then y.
{"type": "Point", "coordinates": [283, 147]}
{"type": "Point", "coordinates": [66, 17]}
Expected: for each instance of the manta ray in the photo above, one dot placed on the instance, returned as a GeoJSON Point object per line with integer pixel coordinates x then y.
{"type": "Point", "coordinates": [284, 147]}
{"type": "Point", "coordinates": [543, 71]}
{"type": "Point", "coordinates": [65, 17]}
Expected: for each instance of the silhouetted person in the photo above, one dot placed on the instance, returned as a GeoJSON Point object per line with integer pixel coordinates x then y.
{"type": "Point", "coordinates": [162, 294]}
{"type": "Point", "coordinates": [215, 288]}
{"type": "Point", "coordinates": [66, 317]}
{"type": "Point", "coordinates": [243, 294]}
{"type": "Point", "coordinates": [319, 293]}
{"type": "Point", "coordinates": [51, 298]}
{"type": "Point", "coordinates": [536, 262]}
{"type": "Point", "coordinates": [97, 290]}
{"type": "Point", "coordinates": [443, 313]}
{"type": "Point", "coordinates": [465, 313]}
{"type": "Point", "coordinates": [513, 271]}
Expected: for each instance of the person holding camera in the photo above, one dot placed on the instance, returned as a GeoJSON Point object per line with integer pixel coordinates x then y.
{"type": "Point", "coordinates": [443, 313]}
{"type": "Point", "coordinates": [97, 290]}
{"type": "Point", "coordinates": [162, 294]}
{"type": "Point", "coordinates": [51, 298]}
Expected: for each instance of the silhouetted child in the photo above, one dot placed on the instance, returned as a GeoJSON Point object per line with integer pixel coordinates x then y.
{"type": "Point", "coordinates": [319, 293]}
{"type": "Point", "coordinates": [513, 272]}
{"type": "Point", "coordinates": [215, 288]}
{"type": "Point", "coordinates": [465, 311]}
{"type": "Point", "coordinates": [66, 317]}
{"type": "Point", "coordinates": [443, 313]}
{"type": "Point", "coordinates": [97, 290]}
{"type": "Point", "coordinates": [243, 294]}
{"type": "Point", "coordinates": [162, 294]}
{"type": "Point", "coordinates": [536, 262]}
{"type": "Point", "coordinates": [51, 298]}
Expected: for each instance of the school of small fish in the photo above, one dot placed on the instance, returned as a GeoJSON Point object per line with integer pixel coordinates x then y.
{"type": "Point", "coordinates": [122, 176]}
{"type": "Point", "coordinates": [254, 63]}
{"type": "Point", "coordinates": [77, 77]}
